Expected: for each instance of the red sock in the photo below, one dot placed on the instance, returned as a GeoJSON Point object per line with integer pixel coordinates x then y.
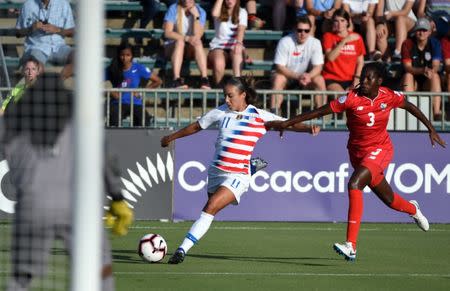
{"type": "Point", "coordinates": [355, 211]}
{"type": "Point", "coordinates": [400, 204]}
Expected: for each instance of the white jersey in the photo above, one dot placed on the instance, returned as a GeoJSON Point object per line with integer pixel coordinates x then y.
{"type": "Point", "coordinates": [238, 134]}
{"type": "Point", "coordinates": [397, 5]}
{"type": "Point", "coordinates": [226, 32]}
{"type": "Point", "coordinates": [359, 6]}
{"type": "Point", "coordinates": [298, 57]}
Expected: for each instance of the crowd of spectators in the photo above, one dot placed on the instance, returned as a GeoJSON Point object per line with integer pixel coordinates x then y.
{"type": "Point", "coordinates": [324, 48]}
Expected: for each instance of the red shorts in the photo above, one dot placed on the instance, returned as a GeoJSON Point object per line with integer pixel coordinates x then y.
{"type": "Point", "coordinates": [374, 159]}
{"type": "Point", "coordinates": [445, 44]}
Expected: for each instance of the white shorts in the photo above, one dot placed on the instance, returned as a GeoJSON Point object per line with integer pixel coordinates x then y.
{"type": "Point", "coordinates": [237, 183]}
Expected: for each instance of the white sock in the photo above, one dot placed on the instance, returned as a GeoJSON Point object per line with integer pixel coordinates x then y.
{"type": "Point", "coordinates": [396, 52]}
{"type": "Point", "coordinates": [197, 231]}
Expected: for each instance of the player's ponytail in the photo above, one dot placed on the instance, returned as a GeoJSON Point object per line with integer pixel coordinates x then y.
{"type": "Point", "coordinates": [244, 84]}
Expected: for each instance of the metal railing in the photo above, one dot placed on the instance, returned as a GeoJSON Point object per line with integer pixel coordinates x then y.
{"type": "Point", "coordinates": [175, 108]}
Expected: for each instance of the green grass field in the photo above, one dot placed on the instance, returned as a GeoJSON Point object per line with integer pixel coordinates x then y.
{"type": "Point", "coordinates": [271, 256]}
{"type": "Point", "coordinates": [288, 256]}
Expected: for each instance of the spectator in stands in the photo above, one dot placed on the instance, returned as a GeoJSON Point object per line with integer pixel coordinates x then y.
{"type": "Point", "coordinates": [344, 54]}
{"type": "Point", "coordinates": [184, 25]}
{"type": "Point", "coordinates": [298, 63]}
{"type": "Point", "coordinates": [150, 8]}
{"type": "Point", "coordinates": [432, 8]}
{"type": "Point", "coordinates": [320, 12]}
{"type": "Point", "coordinates": [30, 71]}
{"type": "Point", "coordinates": [445, 42]}
{"type": "Point", "coordinates": [421, 57]}
{"type": "Point", "coordinates": [279, 14]}
{"type": "Point", "coordinates": [393, 16]}
{"type": "Point", "coordinates": [123, 72]}
{"type": "Point", "coordinates": [230, 22]}
{"type": "Point", "coordinates": [362, 13]}
{"type": "Point", "coordinates": [45, 23]}
{"type": "Point", "coordinates": [254, 22]}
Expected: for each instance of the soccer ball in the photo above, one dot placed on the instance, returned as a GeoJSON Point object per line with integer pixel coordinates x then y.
{"type": "Point", "coordinates": [152, 247]}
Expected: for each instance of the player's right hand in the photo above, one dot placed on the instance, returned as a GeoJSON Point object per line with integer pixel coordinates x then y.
{"type": "Point", "coordinates": [119, 217]}
{"type": "Point", "coordinates": [315, 129]}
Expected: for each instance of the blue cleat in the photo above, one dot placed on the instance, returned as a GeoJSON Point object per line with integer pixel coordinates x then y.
{"type": "Point", "coordinates": [177, 257]}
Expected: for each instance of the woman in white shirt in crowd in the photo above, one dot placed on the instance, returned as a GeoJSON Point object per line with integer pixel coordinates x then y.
{"type": "Point", "coordinates": [230, 22]}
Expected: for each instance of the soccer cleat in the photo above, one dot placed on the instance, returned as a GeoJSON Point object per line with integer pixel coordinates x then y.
{"type": "Point", "coordinates": [257, 164]}
{"type": "Point", "coordinates": [419, 218]}
{"type": "Point", "coordinates": [177, 257]}
{"type": "Point", "coordinates": [346, 250]}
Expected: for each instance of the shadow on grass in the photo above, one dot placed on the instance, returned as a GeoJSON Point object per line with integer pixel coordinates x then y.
{"type": "Point", "coordinates": [304, 261]}
{"type": "Point", "coordinates": [127, 256]}
{"type": "Point", "coordinates": [131, 257]}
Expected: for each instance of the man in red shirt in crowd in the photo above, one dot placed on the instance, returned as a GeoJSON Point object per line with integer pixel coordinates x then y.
{"type": "Point", "coordinates": [370, 148]}
{"type": "Point", "coordinates": [421, 58]}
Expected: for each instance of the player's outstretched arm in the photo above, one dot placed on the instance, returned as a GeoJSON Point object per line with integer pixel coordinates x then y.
{"type": "Point", "coordinates": [414, 110]}
{"type": "Point", "coordinates": [316, 113]}
{"type": "Point", "coordinates": [319, 112]}
{"type": "Point", "coordinates": [188, 130]}
{"type": "Point", "coordinates": [301, 127]}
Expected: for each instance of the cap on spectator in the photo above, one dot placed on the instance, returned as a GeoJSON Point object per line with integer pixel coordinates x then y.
{"type": "Point", "coordinates": [422, 23]}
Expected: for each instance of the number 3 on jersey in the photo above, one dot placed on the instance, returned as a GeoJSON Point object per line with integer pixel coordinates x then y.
{"type": "Point", "coordinates": [371, 119]}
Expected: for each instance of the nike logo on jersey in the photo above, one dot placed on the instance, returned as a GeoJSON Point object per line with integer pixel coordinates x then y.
{"type": "Point", "coordinates": [359, 108]}
{"type": "Point", "coordinates": [134, 71]}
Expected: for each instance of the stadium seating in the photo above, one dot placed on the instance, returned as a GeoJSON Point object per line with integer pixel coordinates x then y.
{"type": "Point", "coordinates": [111, 5]}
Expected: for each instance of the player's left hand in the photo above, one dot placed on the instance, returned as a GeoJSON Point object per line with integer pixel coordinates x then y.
{"type": "Point", "coordinates": [434, 137]}
{"type": "Point", "coordinates": [119, 217]}
{"type": "Point", "coordinates": [165, 141]}
{"type": "Point", "coordinates": [275, 125]}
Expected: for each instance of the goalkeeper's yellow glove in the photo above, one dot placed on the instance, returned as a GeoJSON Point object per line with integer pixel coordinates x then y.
{"type": "Point", "coordinates": [119, 217]}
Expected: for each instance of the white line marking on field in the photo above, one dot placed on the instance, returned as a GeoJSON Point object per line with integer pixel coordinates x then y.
{"type": "Point", "coordinates": [150, 273]}
{"type": "Point", "coordinates": [293, 274]}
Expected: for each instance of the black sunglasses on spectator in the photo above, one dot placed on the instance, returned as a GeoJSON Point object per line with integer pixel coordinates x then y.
{"type": "Point", "coordinates": [299, 30]}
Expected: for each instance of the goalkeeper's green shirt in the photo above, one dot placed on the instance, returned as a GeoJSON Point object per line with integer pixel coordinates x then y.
{"type": "Point", "coordinates": [15, 95]}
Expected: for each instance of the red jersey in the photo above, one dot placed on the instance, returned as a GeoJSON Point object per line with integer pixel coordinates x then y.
{"type": "Point", "coordinates": [344, 66]}
{"type": "Point", "coordinates": [367, 119]}
{"type": "Point", "coordinates": [445, 44]}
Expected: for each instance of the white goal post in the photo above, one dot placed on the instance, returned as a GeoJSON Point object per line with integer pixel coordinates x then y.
{"type": "Point", "coordinates": [88, 196]}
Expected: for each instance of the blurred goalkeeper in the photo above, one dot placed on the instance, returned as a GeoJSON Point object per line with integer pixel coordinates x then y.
{"type": "Point", "coordinates": [39, 148]}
